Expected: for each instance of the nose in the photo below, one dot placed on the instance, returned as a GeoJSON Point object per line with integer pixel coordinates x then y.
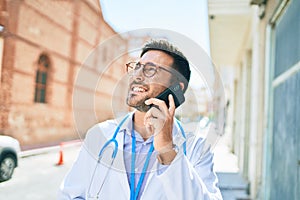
{"type": "Point", "coordinates": [138, 75]}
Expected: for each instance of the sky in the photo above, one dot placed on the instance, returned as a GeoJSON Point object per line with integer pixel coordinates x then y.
{"type": "Point", "coordinates": [185, 17]}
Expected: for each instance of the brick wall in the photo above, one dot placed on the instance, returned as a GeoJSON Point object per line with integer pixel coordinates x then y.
{"type": "Point", "coordinates": [68, 32]}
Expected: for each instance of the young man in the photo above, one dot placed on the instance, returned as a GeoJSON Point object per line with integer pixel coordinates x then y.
{"type": "Point", "coordinates": [152, 158]}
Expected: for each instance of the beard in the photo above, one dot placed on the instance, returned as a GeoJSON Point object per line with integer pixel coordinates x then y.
{"type": "Point", "coordinates": [137, 101]}
{"type": "Point", "coordinates": [138, 104]}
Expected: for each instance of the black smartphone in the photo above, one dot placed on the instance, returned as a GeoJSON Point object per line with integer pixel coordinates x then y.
{"type": "Point", "coordinates": [176, 92]}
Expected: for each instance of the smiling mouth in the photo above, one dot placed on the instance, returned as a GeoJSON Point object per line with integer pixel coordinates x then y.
{"type": "Point", "coordinates": [138, 89]}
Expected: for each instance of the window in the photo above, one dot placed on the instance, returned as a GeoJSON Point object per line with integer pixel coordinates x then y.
{"type": "Point", "coordinates": [41, 79]}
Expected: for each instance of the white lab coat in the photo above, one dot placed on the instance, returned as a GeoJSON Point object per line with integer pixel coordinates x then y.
{"type": "Point", "coordinates": [189, 176]}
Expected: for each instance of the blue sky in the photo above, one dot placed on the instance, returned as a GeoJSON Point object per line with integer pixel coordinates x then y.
{"type": "Point", "coordinates": [177, 15]}
{"type": "Point", "coordinates": [187, 17]}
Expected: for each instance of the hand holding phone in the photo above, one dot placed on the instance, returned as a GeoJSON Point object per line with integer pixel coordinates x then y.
{"type": "Point", "coordinates": [176, 92]}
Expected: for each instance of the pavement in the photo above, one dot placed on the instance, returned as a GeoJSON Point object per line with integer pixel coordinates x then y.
{"type": "Point", "coordinates": [231, 183]}
{"type": "Point", "coordinates": [43, 150]}
{"type": "Point", "coordinates": [233, 186]}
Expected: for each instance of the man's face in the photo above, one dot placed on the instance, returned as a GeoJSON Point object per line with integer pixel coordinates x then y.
{"type": "Point", "coordinates": [141, 87]}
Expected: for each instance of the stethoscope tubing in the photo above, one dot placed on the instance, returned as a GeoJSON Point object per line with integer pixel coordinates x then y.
{"type": "Point", "coordinates": [113, 140]}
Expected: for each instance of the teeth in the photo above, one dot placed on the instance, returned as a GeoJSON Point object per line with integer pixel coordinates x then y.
{"type": "Point", "coordinates": [138, 89]}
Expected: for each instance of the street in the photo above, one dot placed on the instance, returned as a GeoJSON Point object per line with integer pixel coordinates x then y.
{"type": "Point", "coordinates": [37, 177]}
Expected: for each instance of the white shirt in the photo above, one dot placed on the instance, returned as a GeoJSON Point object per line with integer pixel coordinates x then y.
{"type": "Point", "coordinates": [189, 176]}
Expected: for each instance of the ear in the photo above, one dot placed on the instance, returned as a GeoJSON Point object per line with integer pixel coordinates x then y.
{"type": "Point", "coordinates": [181, 85]}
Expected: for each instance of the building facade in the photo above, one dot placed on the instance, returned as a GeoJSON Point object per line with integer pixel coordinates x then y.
{"type": "Point", "coordinates": [45, 45]}
{"type": "Point", "coordinates": [258, 40]}
{"type": "Point", "coordinates": [266, 128]}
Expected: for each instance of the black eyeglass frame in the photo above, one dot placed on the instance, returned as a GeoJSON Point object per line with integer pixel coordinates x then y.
{"type": "Point", "coordinates": [150, 64]}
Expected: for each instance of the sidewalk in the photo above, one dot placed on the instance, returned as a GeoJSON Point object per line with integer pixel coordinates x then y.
{"type": "Point", "coordinates": [233, 186]}
{"type": "Point", "coordinates": [231, 182]}
{"type": "Point", "coordinates": [43, 150]}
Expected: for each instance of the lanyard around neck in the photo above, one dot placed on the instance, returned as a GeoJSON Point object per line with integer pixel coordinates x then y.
{"type": "Point", "coordinates": [135, 192]}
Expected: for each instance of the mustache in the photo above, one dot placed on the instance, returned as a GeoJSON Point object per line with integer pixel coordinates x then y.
{"type": "Point", "coordinates": [139, 83]}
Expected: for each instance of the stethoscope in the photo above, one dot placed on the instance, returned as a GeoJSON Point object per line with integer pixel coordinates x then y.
{"type": "Point", "coordinates": [133, 191]}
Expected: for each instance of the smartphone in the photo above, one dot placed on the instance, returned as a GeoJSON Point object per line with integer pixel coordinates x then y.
{"type": "Point", "coordinates": [176, 92]}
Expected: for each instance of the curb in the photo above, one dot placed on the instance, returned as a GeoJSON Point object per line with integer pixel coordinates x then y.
{"type": "Point", "coordinates": [44, 150]}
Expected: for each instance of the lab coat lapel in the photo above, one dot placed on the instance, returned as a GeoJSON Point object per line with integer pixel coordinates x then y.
{"type": "Point", "coordinates": [119, 164]}
{"type": "Point", "coordinates": [116, 185]}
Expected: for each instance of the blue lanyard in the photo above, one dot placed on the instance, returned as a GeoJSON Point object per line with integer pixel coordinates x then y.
{"type": "Point", "coordinates": [134, 193]}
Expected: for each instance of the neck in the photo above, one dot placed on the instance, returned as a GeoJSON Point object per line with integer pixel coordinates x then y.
{"type": "Point", "coordinates": [139, 126]}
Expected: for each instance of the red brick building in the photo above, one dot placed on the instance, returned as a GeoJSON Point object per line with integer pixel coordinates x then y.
{"type": "Point", "coordinates": [44, 44]}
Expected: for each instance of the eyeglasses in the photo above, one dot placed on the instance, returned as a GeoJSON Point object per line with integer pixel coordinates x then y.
{"type": "Point", "coordinates": [149, 68]}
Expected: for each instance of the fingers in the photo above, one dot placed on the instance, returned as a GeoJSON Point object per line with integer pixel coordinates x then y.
{"type": "Point", "coordinates": [149, 128]}
{"type": "Point", "coordinates": [171, 105]}
{"type": "Point", "coordinates": [154, 125]}
{"type": "Point", "coordinates": [155, 113]}
{"type": "Point", "coordinates": [159, 114]}
{"type": "Point", "coordinates": [160, 109]}
{"type": "Point", "coordinates": [160, 104]}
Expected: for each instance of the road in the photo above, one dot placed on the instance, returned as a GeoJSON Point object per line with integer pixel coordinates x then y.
{"type": "Point", "coordinates": [37, 177]}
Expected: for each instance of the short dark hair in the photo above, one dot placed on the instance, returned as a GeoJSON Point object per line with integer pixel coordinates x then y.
{"type": "Point", "coordinates": [180, 62]}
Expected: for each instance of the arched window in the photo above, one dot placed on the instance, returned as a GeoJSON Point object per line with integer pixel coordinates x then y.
{"type": "Point", "coordinates": [41, 79]}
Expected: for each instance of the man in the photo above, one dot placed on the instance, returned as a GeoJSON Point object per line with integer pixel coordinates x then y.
{"type": "Point", "coordinates": [154, 160]}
